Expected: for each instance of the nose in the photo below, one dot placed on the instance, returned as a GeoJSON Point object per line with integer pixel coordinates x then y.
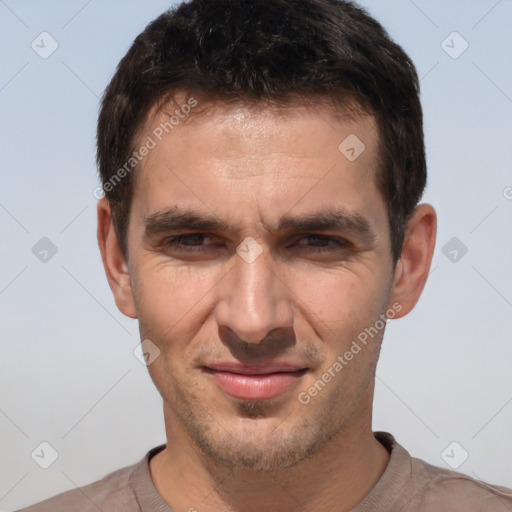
{"type": "Point", "coordinates": [253, 300]}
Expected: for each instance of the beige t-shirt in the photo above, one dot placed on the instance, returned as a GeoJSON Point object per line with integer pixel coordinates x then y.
{"type": "Point", "coordinates": [407, 485]}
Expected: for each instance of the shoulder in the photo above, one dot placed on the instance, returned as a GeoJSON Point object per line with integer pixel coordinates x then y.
{"type": "Point", "coordinates": [410, 484]}
{"type": "Point", "coordinates": [443, 489]}
{"type": "Point", "coordinates": [112, 493]}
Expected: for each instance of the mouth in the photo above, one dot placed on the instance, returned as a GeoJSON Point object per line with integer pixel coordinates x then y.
{"type": "Point", "coordinates": [255, 383]}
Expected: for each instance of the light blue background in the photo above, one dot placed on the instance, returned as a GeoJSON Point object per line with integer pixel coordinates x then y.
{"type": "Point", "coordinates": [67, 372]}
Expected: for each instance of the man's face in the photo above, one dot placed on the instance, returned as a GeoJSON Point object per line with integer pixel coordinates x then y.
{"type": "Point", "coordinates": [248, 311]}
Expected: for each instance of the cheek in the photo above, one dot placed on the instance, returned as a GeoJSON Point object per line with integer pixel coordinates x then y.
{"type": "Point", "coordinates": [342, 301]}
{"type": "Point", "coordinates": [175, 302]}
{"type": "Point", "coordinates": [171, 300]}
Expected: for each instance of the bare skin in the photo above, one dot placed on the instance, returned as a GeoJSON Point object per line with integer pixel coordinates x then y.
{"type": "Point", "coordinates": [302, 301]}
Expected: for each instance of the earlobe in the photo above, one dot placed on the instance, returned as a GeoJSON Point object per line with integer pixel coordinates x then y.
{"type": "Point", "coordinates": [413, 267]}
{"type": "Point", "coordinates": [114, 262]}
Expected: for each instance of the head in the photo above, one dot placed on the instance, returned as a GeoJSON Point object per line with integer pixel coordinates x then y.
{"type": "Point", "coordinates": [262, 164]}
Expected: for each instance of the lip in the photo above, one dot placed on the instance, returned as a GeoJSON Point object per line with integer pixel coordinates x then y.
{"type": "Point", "coordinates": [253, 382]}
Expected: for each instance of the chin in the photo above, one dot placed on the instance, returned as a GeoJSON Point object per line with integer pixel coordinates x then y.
{"type": "Point", "coordinates": [259, 444]}
{"type": "Point", "coordinates": [255, 456]}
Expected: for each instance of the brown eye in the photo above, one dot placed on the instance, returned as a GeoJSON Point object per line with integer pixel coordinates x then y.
{"type": "Point", "coordinates": [323, 243]}
{"type": "Point", "coordinates": [188, 243]}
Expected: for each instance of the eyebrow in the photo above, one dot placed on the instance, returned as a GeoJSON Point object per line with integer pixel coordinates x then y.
{"type": "Point", "coordinates": [338, 219]}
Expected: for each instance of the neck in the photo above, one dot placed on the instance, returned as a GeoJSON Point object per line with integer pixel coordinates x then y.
{"type": "Point", "coordinates": [336, 478]}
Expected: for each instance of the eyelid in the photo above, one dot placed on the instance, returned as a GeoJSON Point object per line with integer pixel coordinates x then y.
{"type": "Point", "coordinates": [181, 236]}
{"type": "Point", "coordinates": [295, 237]}
{"type": "Point", "coordinates": [341, 240]}
{"type": "Point", "coordinates": [332, 242]}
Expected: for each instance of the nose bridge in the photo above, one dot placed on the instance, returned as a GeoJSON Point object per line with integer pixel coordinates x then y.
{"type": "Point", "coordinates": [252, 300]}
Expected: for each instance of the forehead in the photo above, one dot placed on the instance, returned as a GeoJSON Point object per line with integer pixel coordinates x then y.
{"type": "Point", "coordinates": [252, 161]}
{"type": "Point", "coordinates": [291, 125]}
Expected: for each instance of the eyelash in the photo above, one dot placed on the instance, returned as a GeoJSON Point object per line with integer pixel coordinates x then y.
{"type": "Point", "coordinates": [174, 242]}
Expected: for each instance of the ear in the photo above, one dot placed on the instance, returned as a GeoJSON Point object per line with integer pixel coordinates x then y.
{"type": "Point", "coordinates": [412, 268]}
{"type": "Point", "coordinates": [114, 262]}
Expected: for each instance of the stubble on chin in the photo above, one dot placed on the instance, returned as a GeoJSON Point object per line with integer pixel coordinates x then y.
{"type": "Point", "coordinates": [284, 446]}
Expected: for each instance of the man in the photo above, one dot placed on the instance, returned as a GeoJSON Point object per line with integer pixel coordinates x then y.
{"type": "Point", "coordinates": [262, 163]}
